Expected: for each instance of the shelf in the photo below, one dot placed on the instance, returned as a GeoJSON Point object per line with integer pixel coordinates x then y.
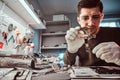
{"type": "Point", "coordinates": [54, 34]}
{"type": "Point", "coordinates": [53, 48]}
{"type": "Point", "coordinates": [57, 22]}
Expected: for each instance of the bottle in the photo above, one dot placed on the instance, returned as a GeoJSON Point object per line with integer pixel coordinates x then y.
{"type": "Point", "coordinates": [31, 49]}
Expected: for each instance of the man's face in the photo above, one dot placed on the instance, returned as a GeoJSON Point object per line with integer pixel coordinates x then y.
{"type": "Point", "coordinates": [90, 18]}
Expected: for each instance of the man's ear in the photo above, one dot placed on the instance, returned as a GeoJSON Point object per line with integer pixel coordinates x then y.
{"type": "Point", "coordinates": [102, 16]}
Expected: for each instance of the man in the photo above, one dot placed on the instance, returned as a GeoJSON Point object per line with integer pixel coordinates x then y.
{"type": "Point", "coordinates": [102, 49]}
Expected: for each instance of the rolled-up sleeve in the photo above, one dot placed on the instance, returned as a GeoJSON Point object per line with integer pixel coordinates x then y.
{"type": "Point", "coordinates": [69, 58]}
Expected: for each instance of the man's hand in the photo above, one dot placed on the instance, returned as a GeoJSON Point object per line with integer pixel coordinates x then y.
{"type": "Point", "coordinates": [108, 51]}
{"type": "Point", "coordinates": [74, 39]}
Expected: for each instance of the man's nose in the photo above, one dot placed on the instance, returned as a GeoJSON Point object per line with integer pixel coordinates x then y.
{"type": "Point", "coordinates": [91, 22]}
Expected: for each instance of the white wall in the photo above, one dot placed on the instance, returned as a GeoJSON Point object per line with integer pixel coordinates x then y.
{"type": "Point", "coordinates": [7, 16]}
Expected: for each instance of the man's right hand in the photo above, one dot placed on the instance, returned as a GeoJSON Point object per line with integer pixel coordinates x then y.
{"type": "Point", "coordinates": [74, 39]}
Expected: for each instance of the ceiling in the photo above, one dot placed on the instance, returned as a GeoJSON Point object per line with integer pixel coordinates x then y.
{"type": "Point", "coordinates": [50, 7]}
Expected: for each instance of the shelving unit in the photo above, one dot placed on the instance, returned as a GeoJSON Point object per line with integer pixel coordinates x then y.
{"type": "Point", "coordinates": [53, 38]}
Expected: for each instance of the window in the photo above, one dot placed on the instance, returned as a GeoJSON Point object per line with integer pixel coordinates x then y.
{"type": "Point", "coordinates": [110, 24]}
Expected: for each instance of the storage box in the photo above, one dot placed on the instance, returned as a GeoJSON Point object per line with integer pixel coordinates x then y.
{"type": "Point", "coordinates": [60, 17]}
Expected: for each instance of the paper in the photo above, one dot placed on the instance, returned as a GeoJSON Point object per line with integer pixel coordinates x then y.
{"type": "Point", "coordinates": [84, 71]}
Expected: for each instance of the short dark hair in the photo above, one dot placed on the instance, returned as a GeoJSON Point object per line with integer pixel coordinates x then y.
{"type": "Point", "coordinates": [90, 4]}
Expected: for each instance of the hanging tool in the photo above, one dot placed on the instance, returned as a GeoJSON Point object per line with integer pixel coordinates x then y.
{"type": "Point", "coordinates": [5, 35]}
{"type": "Point", "coordinates": [11, 38]}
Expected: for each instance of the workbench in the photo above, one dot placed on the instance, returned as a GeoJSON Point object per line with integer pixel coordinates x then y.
{"type": "Point", "coordinates": [53, 71]}
{"type": "Point", "coordinates": [48, 73]}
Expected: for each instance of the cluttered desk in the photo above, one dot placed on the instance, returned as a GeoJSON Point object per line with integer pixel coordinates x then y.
{"type": "Point", "coordinates": [45, 70]}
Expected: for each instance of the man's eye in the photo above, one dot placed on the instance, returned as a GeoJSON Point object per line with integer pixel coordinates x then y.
{"type": "Point", "coordinates": [96, 16]}
{"type": "Point", "coordinates": [85, 18]}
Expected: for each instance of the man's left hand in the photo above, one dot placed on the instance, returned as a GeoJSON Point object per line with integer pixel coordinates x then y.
{"type": "Point", "coordinates": [108, 51]}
